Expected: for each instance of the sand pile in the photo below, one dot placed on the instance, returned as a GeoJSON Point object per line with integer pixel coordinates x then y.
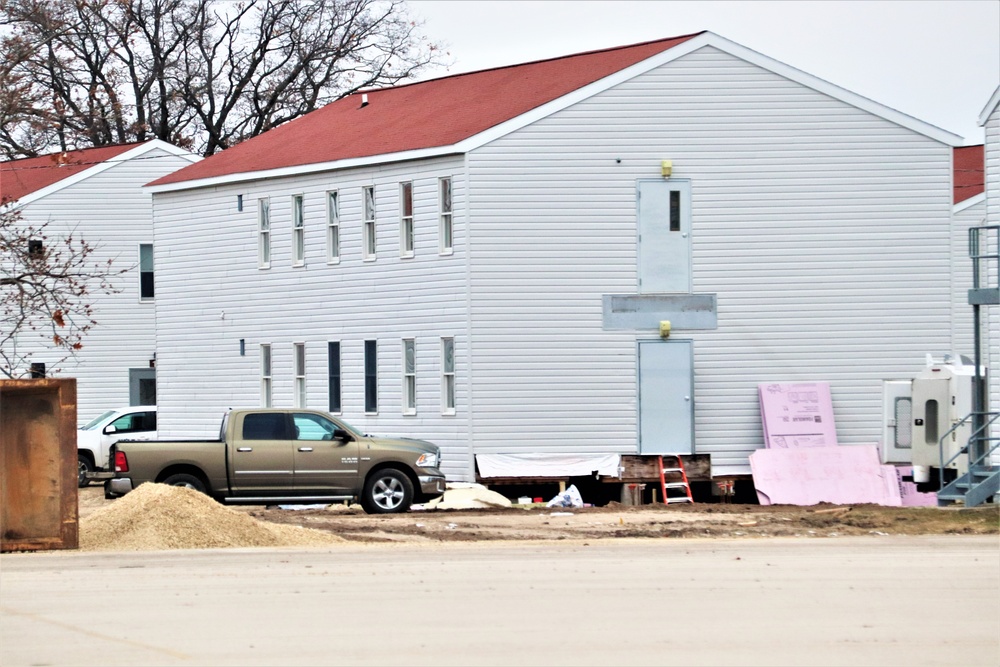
{"type": "Point", "coordinates": [157, 516]}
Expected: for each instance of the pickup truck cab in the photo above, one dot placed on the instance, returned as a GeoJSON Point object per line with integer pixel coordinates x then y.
{"type": "Point", "coordinates": [266, 456]}
{"type": "Point", "coordinates": [93, 441]}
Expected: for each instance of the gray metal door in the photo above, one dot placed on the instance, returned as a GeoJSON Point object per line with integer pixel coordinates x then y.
{"type": "Point", "coordinates": [142, 386]}
{"type": "Point", "coordinates": [664, 212]}
{"type": "Point", "coordinates": [666, 397]}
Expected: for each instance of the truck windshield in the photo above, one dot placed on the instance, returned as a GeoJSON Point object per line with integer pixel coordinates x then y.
{"type": "Point", "coordinates": [94, 423]}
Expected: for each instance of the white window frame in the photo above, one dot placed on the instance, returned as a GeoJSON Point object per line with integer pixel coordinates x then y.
{"type": "Point", "coordinates": [409, 376]}
{"type": "Point", "coordinates": [406, 234]}
{"type": "Point", "coordinates": [333, 227]}
{"type": "Point", "coordinates": [141, 272]}
{"type": "Point", "coordinates": [298, 230]}
{"type": "Point", "coordinates": [264, 233]}
{"type": "Point", "coordinates": [369, 246]}
{"type": "Point", "coordinates": [266, 383]}
{"type": "Point", "coordinates": [299, 357]}
{"type": "Point", "coordinates": [446, 224]}
{"type": "Point", "coordinates": [447, 376]}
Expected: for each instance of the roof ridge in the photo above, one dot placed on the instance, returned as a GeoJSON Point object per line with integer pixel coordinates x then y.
{"type": "Point", "coordinates": [531, 62]}
{"type": "Point", "coordinates": [76, 150]}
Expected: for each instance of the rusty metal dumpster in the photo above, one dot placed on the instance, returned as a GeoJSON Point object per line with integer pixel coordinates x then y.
{"type": "Point", "coordinates": [38, 467]}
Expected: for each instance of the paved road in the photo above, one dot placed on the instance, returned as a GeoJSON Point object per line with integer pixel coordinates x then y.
{"type": "Point", "coordinates": [842, 601]}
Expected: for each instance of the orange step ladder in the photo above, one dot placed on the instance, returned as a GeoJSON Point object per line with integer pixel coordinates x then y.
{"type": "Point", "coordinates": [682, 485]}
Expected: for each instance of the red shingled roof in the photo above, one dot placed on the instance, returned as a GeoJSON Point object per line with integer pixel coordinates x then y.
{"type": "Point", "coordinates": [969, 169]}
{"type": "Point", "coordinates": [429, 114]}
{"type": "Point", "coordinates": [22, 177]}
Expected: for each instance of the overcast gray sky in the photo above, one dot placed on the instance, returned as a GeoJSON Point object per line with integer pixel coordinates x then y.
{"type": "Point", "coordinates": [936, 60]}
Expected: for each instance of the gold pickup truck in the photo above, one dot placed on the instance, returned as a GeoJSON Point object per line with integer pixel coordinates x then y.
{"type": "Point", "coordinates": [269, 456]}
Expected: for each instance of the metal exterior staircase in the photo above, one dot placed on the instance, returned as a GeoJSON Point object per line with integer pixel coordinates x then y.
{"type": "Point", "coordinates": [982, 479]}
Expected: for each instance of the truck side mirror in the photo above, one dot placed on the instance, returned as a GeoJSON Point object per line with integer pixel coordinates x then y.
{"type": "Point", "coordinates": [110, 429]}
{"type": "Point", "coordinates": [341, 434]}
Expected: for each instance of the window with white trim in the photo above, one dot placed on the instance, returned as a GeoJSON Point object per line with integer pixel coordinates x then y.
{"type": "Point", "coordinates": [406, 219]}
{"type": "Point", "coordinates": [265, 376]}
{"type": "Point", "coordinates": [300, 374]}
{"type": "Point", "coordinates": [447, 376]}
{"type": "Point", "coordinates": [333, 373]}
{"type": "Point", "coordinates": [332, 227]}
{"type": "Point", "coordinates": [409, 377]}
{"type": "Point", "coordinates": [146, 290]}
{"type": "Point", "coordinates": [298, 231]}
{"type": "Point", "coordinates": [445, 228]}
{"type": "Point", "coordinates": [371, 377]}
{"type": "Point", "coordinates": [368, 229]}
{"type": "Point", "coordinates": [264, 233]}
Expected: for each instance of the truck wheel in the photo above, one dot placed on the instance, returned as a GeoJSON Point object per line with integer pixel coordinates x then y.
{"type": "Point", "coordinates": [83, 465]}
{"type": "Point", "coordinates": [187, 481]}
{"type": "Point", "coordinates": [387, 491]}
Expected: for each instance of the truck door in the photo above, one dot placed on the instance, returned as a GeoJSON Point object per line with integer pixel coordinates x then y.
{"type": "Point", "coordinates": [323, 465]}
{"type": "Point", "coordinates": [261, 457]}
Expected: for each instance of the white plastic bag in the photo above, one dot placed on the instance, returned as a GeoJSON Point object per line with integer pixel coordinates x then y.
{"type": "Point", "coordinates": [568, 498]}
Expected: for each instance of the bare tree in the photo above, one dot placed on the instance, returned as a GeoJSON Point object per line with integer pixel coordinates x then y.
{"type": "Point", "coordinates": [202, 74]}
{"type": "Point", "coordinates": [46, 287]}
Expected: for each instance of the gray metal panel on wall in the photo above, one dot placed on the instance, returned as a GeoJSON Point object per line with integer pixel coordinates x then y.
{"type": "Point", "coordinates": [646, 311]}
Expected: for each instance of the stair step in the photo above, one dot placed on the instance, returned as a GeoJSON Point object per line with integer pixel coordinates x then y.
{"type": "Point", "coordinates": [676, 485]}
{"type": "Point", "coordinates": [679, 500]}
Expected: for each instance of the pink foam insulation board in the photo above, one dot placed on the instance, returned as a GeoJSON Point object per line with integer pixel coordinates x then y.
{"type": "Point", "coordinates": [908, 490]}
{"type": "Point", "coordinates": [797, 414]}
{"type": "Point", "coordinates": [846, 475]}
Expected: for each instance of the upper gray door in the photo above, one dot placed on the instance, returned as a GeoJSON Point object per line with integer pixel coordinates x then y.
{"type": "Point", "coordinates": [666, 397]}
{"type": "Point", "coordinates": [142, 386]}
{"type": "Point", "coordinates": [664, 212]}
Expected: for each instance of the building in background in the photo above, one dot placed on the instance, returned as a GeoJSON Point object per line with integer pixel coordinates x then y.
{"type": "Point", "coordinates": [97, 194]}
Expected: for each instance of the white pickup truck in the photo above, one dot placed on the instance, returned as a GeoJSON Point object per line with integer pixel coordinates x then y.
{"type": "Point", "coordinates": [93, 441]}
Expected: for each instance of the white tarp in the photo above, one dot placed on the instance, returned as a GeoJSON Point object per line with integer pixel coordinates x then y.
{"type": "Point", "coordinates": [548, 465]}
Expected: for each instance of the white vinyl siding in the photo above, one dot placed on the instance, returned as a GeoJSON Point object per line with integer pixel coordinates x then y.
{"type": "Point", "coordinates": [353, 301]}
{"type": "Point", "coordinates": [962, 337]}
{"type": "Point", "coordinates": [298, 231]}
{"type": "Point", "coordinates": [822, 229]}
{"type": "Point", "coordinates": [125, 335]}
{"type": "Point", "coordinates": [264, 233]}
{"type": "Point", "coordinates": [332, 227]}
{"type": "Point", "coordinates": [992, 159]}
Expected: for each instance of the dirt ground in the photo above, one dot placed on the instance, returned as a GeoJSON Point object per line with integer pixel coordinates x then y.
{"type": "Point", "coordinates": [617, 521]}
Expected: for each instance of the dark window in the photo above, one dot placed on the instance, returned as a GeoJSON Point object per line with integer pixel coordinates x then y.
{"type": "Point", "coordinates": [334, 374]}
{"type": "Point", "coordinates": [37, 370]}
{"type": "Point", "coordinates": [265, 426]}
{"type": "Point", "coordinates": [36, 250]}
{"type": "Point", "coordinates": [145, 271]}
{"type": "Point", "coordinates": [675, 210]}
{"type": "Point", "coordinates": [371, 377]}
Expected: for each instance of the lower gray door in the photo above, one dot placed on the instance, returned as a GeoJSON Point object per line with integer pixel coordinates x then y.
{"type": "Point", "coordinates": [666, 397]}
{"type": "Point", "coordinates": [142, 386]}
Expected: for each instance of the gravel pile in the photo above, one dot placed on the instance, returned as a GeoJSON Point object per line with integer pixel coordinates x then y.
{"type": "Point", "coordinates": [157, 516]}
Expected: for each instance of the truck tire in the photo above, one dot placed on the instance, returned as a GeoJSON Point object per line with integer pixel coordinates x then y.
{"type": "Point", "coordinates": [187, 481]}
{"type": "Point", "coordinates": [84, 465]}
{"type": "Point", "coordinates": [387, 491]}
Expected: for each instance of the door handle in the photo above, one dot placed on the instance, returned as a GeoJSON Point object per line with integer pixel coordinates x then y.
{"type": "Point", "coordinates": [244, 449]}
{"type": "Point", "coordinates": [305, 449]}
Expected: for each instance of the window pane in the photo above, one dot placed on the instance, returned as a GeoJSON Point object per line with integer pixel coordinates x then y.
{"type": "Point", "coordinates": [371, 377]}
{"type": "Point", "coordinates": [449, 355]}
{"type": "Point", "coordinates": [675, 210]}
{"type": "Point", "coordinates": [146, 257]}
{"type": "Point", "coordinates": [410, 361]}
{"type": "Point", "coordinates": [265, 360]}
{"type": "Point", "coordinates": [370, 203]}
{"type": "Point", "coordinates": [407, 196]}
{"type": "Point", "coordinates": [297, 215]}
{"type": "Point", "coordinates": [446, 195]}
{"type": "Point", "coordinates": [264, 426]}
{"type": "Point", "coordinates": [312, 427]}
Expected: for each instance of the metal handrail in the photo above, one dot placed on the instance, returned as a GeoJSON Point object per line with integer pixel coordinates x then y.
{"type": "Point", "coordinates": [965, 448]}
